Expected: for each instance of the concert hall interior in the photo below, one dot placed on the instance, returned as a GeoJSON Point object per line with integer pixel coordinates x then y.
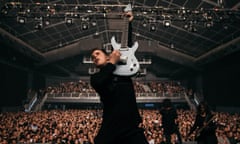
{"type": "Point", "coordinates": [188, 51]}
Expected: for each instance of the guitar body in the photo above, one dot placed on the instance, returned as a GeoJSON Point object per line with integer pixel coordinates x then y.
{"type": "Point", "coordinates": [129, 64]}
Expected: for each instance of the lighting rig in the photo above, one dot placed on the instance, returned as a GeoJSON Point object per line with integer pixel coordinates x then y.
{"type": "Point", "coordinates": [42, 12]}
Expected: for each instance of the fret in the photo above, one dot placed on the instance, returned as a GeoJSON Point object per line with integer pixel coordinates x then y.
{"type": "Point", "coordinates": [124, 38]}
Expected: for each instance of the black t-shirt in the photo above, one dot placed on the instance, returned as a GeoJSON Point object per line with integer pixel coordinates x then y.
{"type": "Point", "coordinates": [120, 112]}
{"type": "Point", "coordinates": [168, 120]}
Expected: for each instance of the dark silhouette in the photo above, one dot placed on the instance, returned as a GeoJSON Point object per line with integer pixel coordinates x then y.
{"type": "Point", "coordinates": [204, 125]}
{"type": "Point", "coordinates": [169, 121]}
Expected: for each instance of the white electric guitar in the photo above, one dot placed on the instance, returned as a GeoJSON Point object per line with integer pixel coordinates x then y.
{"type": "Point", "coordinates": [128, 64]}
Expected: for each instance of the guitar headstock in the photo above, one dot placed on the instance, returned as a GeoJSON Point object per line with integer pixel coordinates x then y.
{"type": "Point", "coordinates": [128, 8]}
{"type": "Point", "coordinates": [128, 12]}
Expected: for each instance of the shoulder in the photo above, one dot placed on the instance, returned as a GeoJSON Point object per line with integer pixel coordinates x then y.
{"type": "Point", "coordinates": [108, 66]}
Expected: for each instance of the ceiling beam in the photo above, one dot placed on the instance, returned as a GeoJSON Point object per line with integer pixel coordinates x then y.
{"type": "Point", "coordinates": [192, 33]}
{"type": "Point", "coordinates": [236, 6]}
{"type": "Point", "coordinates": [167, 53]}
{"type": "Point", "coordinates": [223, 49]}
{"type": "Point", "coordinates": [71, 50]}
{"type": "Point", "coordinates": [32, 52]}
{"type": "Point", "coordinates": [211, 2]}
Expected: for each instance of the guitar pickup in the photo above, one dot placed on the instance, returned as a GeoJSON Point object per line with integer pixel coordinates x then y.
{"type": "Point", "coordinates": [123, 60]}
{"type": "Point", "coordinates": [123, 49]}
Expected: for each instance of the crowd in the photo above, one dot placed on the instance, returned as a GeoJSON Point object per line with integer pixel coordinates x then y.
{"type": "Point", "coordinates": [81, 126]}
{"type": "Point", "coordinates": [169, 88]}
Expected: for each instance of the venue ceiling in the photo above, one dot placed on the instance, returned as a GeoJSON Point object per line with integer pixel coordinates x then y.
{"type": "Point", "coordinates": [56, 36]}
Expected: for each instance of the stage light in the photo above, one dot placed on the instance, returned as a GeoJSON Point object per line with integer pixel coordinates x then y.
{"type": "Point", "coordinates": [69, 21]}
{"type": "Point", "coordinates": [192, 29]}
{"type": "Point", "coordinates": [85, 26]}
{"type": "Point", "coordinates": [38, 26]}
{"type": "Point", "coordinates": [153, 27]}
{"type": "Point", "coordinates": [225, 26]}
{"type": "Point", "coordinates": [190, 26]}
{"type": "Point", "coordinates": [39, 23]}
{"type": "Point", "coordinates": [167, 23]}
{"type": "Point", "coordinates": [47, 22]}
{"type": "Point", "coordinates": [206, 17]}
{"type": "Point", "coordinates": [77, 8]}
{"type": "Point", "coordinates": [21, 20]}
{"type": "Point", "coordinates": [96, 33]}
{"type": "Point", "coordinates": [94, 23]}
{"type": "Point", "coordinates": [144, 24]}
{"type": "Point", "coordinates": [4, 9]}
{"type": "Point", "coordinates": [186, 26]}
{"type": "Point", "coordinates": [209, 24]}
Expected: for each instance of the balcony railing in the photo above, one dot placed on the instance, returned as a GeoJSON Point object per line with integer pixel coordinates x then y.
{"type": "Point", "coordinates": [94, 98]}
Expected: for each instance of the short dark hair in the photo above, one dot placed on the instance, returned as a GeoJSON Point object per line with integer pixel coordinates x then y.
{"type": "Point", "coordinates": [101, 49]}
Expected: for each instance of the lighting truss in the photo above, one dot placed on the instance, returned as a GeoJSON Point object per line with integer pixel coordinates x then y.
{"type": "Point", "coordinates": [142, 13]}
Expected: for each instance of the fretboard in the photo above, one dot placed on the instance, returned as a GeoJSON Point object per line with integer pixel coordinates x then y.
{"type": "Point", "coordinates": [124, 39]}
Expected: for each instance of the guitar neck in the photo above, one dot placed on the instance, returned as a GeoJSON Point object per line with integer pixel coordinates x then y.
{"type": "Point", "coordinates": [124, 38]}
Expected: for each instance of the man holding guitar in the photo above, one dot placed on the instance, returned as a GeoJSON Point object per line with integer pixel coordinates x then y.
{"type": "Point", "coordinates": [121, 118]}
{"type": "Point", "coordinates": [204, 125]}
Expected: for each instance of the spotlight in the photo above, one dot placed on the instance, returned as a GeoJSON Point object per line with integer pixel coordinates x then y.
{"type": "Point", "coordinates": [5, 9]}
{"type": "Point", "coordinates": [85, 26]}
{"type": "Point", "coordinates": [166, 23]}
{"type": "Point", "coordinates": [153, 27]}
{"type": "Point", "coordinates": [77, 7]}
{"type": "Point", "coordinates": [209, 24]}
{"type": "Point", "coordinates": [171, 45]}
{"type": "Point", "coordinates": [186, 26]}
{"type": "Point", "coordinates": [47, 22]}
{"type": "Point", "coordinates": [38, 26]}
{"type": "Point", "coordinates": [144, 24]}
{"type": "Point", "coordinates": [225, 26]}
{"type": "Point", "coordinates": [69, 21]}
{"type": "Point", "coordinates": [21, 20]}
{"type": "Point", "coordinates": [39, 23]}
{"type": "Point", "coordinates": [96, 33]}
{"type": "Point", "coordinates": [192, 29]}
{"type": "Point", "coordinates": [94, 23]}
{"type": "Point", "coordinates": [85, 19]}
{"type": "Point", "coordinates": [190, 26]}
